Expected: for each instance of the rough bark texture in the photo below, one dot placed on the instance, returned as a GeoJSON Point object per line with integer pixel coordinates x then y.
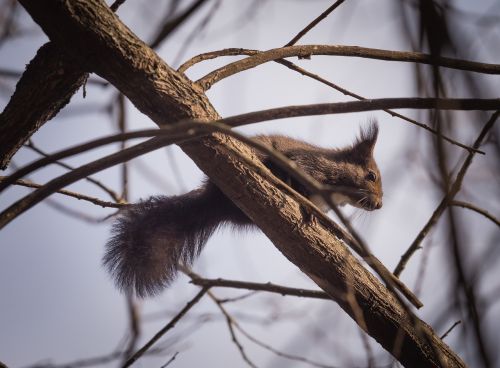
{"type": "Point", "coordinates": [90, 33]}
{"type": "Point", "coordinates": [46, 87]}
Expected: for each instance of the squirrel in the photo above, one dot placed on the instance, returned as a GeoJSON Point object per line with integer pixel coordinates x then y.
{"type": "Point", "coordinates": [150, 238]}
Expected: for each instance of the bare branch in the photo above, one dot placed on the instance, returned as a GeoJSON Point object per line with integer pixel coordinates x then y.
{"type": "Point", "coordinates": [170, 360]}
{"type": "Point", "coordinates": [450, 329]}
{"type": "Point", "coordinates": [454, 189]}
{"type": "Point", "coordinates": [198, 280]}
{"type": "Point", "coordinates": [83, 197]}
{"type": "Point", "coordinates": [307, 51]}
{"type": "Point", "coordinates": [269, 287]}
{"type": "Point", "coordinates": [215, 54]}
{"type": "Point", "coordinates": [230, 323]}
{"type": "Point", "coordinates": [471, 207]}
{"type": "Point", "coordinates": [167, 327]}
{"type": "Point", "coordinates": [311, 25]}
{"type": "Point", "coordinates": [96, 182]}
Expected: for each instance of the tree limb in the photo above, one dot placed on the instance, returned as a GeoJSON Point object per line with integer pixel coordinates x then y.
{"type": "Point", "coordinates": [305, 51]}
{"type": "Point", "coordinates": [49, 68]}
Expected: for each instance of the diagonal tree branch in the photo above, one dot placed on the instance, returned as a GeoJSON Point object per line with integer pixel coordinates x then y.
{"type": "Point", "coordinates": [49, 68]}
{"type": "Point", "coordinates": [89, 32]}
{"type": "Point", "coordinates": [315, 22]}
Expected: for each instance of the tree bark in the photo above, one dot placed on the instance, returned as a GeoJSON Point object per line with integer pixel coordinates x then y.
{"type": "Point", "coordinates": [43, 90]}
{"type": "Point", "coordinates": [94, 38]}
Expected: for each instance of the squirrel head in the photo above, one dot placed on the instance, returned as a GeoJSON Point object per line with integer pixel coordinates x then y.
{"type": "Point", "coordinates": [351, 172]}
{"type": "Point", "coordinates": [357, 172]}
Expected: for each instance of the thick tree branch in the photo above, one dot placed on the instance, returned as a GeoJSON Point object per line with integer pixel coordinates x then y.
{"type": "Point", "coordinates": [89, 32]}
{"type": "Point", "coordinates": [60, 78]}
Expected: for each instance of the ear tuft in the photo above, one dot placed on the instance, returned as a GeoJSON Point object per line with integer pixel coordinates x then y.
{"type": "Point", "coordinates": [365, 144]}
{"type": "Point", "coordinates": [370, 133]}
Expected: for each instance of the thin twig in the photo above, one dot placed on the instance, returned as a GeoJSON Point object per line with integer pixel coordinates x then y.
{"type": "Point", "coordinates": [240, 297]}
{"type": "Point", "coordinates": [215, 54]}
{"type": "Point", "coordinates": [268, 287]}
{"type": "Point", "coordinates": [311, 25]}
{"type": "Point", "coordinates": [92, 361]}
{"type": "Point", "coordinates": [167, 327]}
{"type": "Point", "coordinates": [83, 197]}
{"type": "Point", "coordinates": [198, 280]}
{"type": "Point", "coordinates": [79, 215]}
{"type": "Point", "coordinates": [122, 127]}
{"type": "Point", "coordinates": [230, 323]}
{"type": "Point", "coordinates": [476, 209]}
{"type": "Point", "coordinates": [454, 189]}
{"type": "Point", "coordinates": [96, 182]}
{"type": "Point", "coordinates": [170, 360]}
{"type": "Point", "coordinates": [280, 353]}
{"type": "Point", "coordinates": [450, 329]}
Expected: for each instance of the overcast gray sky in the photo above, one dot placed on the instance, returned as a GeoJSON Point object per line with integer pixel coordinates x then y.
{"type": "Point", "coordinates": [58, 304]}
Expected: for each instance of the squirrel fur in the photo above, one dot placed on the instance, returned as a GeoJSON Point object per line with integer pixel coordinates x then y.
{"type": "Point", "coordinates": [150, 238]}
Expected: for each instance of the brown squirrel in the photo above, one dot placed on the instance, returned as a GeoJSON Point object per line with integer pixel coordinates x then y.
{"type": "Point", "coordinates": [150, 238]}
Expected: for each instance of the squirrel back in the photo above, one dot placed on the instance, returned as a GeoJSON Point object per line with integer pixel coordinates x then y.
{"type": "Point", "coordinates": [150, 238]}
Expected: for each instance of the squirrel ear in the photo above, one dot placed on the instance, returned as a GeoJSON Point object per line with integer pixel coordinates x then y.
{"type": "Point", "coordinates": [365, 144]}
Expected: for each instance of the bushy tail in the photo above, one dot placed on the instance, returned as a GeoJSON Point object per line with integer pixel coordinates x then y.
{"type": "Point", "coordinates": [150, 238]}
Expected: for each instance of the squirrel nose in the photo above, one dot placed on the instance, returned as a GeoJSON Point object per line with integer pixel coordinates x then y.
{"type": "Point", "coordinates": [378, 204]}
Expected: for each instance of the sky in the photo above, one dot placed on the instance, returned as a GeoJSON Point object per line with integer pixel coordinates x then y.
{"type": "Point", "coordinates": [57, 302]}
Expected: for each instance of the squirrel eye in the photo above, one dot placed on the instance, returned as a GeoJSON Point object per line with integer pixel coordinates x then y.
{"type": "Point", "coordinates": [371, 176]}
